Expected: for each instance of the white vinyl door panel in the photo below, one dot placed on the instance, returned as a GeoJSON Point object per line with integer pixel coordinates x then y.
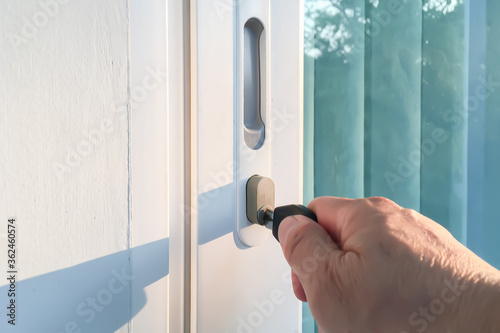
{"type": "Point", "coordinates": [241, 282]}
{"type": "Point", "coordinates": [151, 300]}
{"type": "Point", "coordinates": [91, 164]}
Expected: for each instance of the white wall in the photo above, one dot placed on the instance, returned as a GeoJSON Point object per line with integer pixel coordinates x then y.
{"type": "Point", "coordinates": [88, 193]}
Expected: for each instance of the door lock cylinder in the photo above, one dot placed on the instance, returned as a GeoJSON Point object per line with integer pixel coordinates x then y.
{"type": "Point", "coordinates": [261, 208]}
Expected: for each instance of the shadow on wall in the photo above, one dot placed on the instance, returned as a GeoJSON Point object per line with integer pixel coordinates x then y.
{"type": "Point", "coordinates": [93, 297]}
{"type": "Point", "coordinates": [215, 222]}
{"type": "Point", "coordinates": [97, 296]}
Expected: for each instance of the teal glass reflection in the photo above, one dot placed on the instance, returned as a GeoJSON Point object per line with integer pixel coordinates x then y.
{"type": "Point", "coordinates": [402, 100]}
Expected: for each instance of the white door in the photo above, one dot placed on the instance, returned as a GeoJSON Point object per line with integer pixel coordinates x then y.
{"type": "Point", "coordinates": [245, 56]}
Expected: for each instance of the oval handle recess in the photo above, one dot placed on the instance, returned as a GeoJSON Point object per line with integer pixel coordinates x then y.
{"type": "Point", "coordinates": [254, 128]}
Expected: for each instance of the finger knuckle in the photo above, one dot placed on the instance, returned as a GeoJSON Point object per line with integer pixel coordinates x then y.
{"type": "Point", "coordinates": [380, 201]}
{"type": "Point", "coordinates": [410, 213]}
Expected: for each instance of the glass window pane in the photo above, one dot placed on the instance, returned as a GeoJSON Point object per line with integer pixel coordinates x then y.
{"type": "Point", "coordinates": [402, 100]}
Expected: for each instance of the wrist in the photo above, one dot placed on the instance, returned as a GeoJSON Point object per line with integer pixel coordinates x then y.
{"type": "Point", "coordinates": [479, 306]}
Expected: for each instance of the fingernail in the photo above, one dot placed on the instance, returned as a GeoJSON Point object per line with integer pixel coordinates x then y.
{"type": "Point", "coordinates": [286, 226]}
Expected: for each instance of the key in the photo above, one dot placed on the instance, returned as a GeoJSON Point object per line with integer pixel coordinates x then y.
{"type": "Point", "coordinates": [260, 205]}
{"type": "Point", "coordinates": [277, 215]}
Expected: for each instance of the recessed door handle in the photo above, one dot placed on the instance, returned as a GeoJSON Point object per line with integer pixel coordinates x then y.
{"type": "Point", "coordinates": [254, 83]}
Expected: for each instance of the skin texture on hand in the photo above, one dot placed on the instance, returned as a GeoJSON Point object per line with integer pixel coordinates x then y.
{"type": "Point", "coordinates": [369, 265]}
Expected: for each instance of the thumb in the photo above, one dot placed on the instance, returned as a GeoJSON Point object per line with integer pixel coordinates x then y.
{"type": "Point", "coordinates": [308, 248]}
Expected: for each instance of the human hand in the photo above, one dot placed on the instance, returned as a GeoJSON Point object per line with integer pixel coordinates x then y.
{"type": "Point", "coordinates": [371, 266]}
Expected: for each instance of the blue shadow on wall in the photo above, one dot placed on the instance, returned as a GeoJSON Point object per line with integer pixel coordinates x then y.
{"type": "Point", "coordinates": [92, 297]}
